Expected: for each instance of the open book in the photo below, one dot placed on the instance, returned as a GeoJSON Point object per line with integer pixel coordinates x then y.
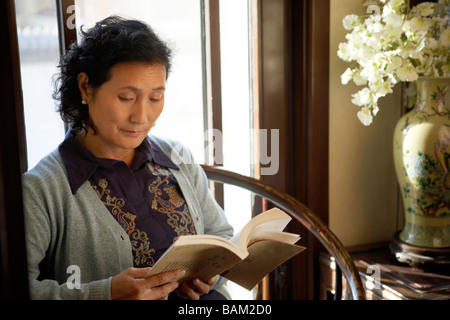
{"type": "Point", "coordinates": [245, 259]}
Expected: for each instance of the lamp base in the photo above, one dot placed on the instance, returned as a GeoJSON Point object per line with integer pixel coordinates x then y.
{"type": "Point", "coordinates": [430, 259]}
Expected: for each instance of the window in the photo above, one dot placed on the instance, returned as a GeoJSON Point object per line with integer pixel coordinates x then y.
{"type": "Point", "coordinates": [236, 111]}
{"type": "Point", "coordinates": [39, 55]}
{"type": "Point", "coordinates": [236, 108]}
{"type": "Point", "coordinates": [177, 22]}
{"type": "Point", "coordinates": [182, 24]}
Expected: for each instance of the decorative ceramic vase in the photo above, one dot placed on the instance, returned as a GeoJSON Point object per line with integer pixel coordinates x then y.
{"type": "Point", "coordinates": [422, 163]}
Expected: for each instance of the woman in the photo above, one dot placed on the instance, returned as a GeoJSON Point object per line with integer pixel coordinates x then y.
{"type": "Point", "coordinates": [110, 200]}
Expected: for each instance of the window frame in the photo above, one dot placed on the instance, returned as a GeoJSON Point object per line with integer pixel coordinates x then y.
{"type": "Point", "coordinates": [212, 88]}
{"type": "Point", "coordinates": [211, 73]}
{"type": "Point", "coordinates": [13, 163]}
{"type": "Point", "coordinates": [67, 35]}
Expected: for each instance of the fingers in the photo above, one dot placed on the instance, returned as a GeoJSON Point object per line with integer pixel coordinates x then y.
{"type": "Point", "coordinates": [132, 284]}
{"type": "Point", "coordinates": [187, 291]}
{"type": "Point", "coordinates": [163, 284]}
{"type": "Point", "coordinates": [139, 273]}
{"type": "Point", "coordinates": [166, 277]}
{"type": "Point", "coordinates": [194, 289]}
{"type": "Point", "coordinates": [212, 281]}
{"type": "Point", "coordinates": [162, 292]}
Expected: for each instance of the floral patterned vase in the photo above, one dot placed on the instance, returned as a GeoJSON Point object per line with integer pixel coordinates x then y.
{"type": "Point", "coordinates": [422, 163]}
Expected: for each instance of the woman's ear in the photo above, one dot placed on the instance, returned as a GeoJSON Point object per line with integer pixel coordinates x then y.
{"type": "Point", "coordinates": [83, 85]}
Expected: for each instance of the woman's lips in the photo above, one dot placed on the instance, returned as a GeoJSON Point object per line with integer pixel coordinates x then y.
{"type": "Point", "coordinates": [132, 133]}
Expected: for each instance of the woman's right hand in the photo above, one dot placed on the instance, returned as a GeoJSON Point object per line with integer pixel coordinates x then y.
{"type": "Point", "coordinates": [132, 284]}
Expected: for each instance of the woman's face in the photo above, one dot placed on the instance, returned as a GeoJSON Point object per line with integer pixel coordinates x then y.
{"type": "Point", "coordinates": [123, 109]}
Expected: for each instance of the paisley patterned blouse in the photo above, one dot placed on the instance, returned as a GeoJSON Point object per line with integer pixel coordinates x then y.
{"type": "Point", "coordinates": [144, 199]}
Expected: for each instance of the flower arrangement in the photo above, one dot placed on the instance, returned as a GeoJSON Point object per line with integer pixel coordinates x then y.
{"type": "Point", "coordinates": [394, 43]}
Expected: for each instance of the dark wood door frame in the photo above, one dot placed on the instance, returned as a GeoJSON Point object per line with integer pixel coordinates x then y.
{"type": "Point", "coordinates": [294, 99]}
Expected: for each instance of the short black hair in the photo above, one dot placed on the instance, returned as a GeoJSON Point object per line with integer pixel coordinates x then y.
{"type": "Point", "coordinates": [111, 41]}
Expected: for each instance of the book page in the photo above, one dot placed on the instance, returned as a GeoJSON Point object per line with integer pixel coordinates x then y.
{"type": "Point", "coordinates": [286, 237]}
{"type": "Point", "coordinates": [270, 220]}
{"type": "Point", "coordinates": [264, 257]}
{"type": "Point", "coordinates": [198, 260]}
{"type": "Point", "coordinates": [205, 256]}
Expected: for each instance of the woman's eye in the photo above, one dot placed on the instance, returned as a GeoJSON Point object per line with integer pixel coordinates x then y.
{"type": "Point", "coordinates": [156, 99]}
{"type": "Point", "coordinates": [125, 99]}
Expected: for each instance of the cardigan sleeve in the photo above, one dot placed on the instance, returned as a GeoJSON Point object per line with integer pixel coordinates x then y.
{"type": "Point", "coordinates": [40, 237]}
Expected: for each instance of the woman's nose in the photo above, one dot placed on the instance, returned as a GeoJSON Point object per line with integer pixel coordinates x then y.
{"type": "Point", "coordinates": [139, 113]}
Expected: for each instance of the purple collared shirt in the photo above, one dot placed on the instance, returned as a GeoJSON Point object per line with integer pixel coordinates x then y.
{"type": "Point", "coordinates": [144, 199]}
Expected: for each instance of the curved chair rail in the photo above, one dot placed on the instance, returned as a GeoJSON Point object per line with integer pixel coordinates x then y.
{"type": "Point", "coordinates": [302, 214]}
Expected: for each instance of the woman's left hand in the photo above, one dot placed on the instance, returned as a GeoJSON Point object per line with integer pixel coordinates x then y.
{"type": "Point", "coordinates": [195, 288]}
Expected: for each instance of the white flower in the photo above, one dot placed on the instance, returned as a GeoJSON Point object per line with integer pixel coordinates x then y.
{"type": "Point", "coordinates": [373, 24]}
{"type": "Point", "coordinates": [347, 76]}
{"type": "Point", "coordinates": [407, 72]}
{"type": "Point", "coordinates": [344, 52]}
{"type": "Point", "coordinates": [358, 79]}
{"type": "Point", "coordinates": [392, 6]}
{"type": "Point", "coordinates": [395, 4]}
{"type": "Point", "coordinates": [420, 46]}
{"type": "Point", "coordinates": [444, 39]}
{"type": "Point", "coordinates": [416, 25]}
{"type": "Point", "coordinates": [362, 97]}
{"type": "Point", "coordinates": [375, 109]}
{"type": "Point", "coordinates": [393, 64]}
{"type": "Point", "coordinates": [397, 45]}
{"type": "Point", "coordinates": [424, 9]}
{"type": "Point", "coordinates": [393, 20]}
{"type": "Point", "coordinates": [433, 44]}
{"type": "Point", "coordinates": [365, 116]}
{"type": "Point", "coordinates": [351, 21]}
{"type": "Point", "coordinates": [382, 87]}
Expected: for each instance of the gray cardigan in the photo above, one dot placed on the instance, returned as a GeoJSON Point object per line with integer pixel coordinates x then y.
{"type": "Point", "coordinates": [65, 230]}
